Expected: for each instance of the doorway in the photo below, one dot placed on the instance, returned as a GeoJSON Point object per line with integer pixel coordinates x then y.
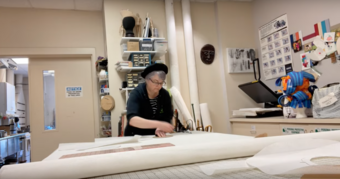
{"type": "Point", "coordinates": [61, 105]}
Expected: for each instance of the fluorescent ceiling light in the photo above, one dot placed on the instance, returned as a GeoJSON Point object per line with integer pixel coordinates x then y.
{"type": "Point", "coordinates": [20, 60]}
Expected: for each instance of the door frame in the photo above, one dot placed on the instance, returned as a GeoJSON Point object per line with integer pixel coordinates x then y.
{"type": "Point", "coordinates": [61, 52]}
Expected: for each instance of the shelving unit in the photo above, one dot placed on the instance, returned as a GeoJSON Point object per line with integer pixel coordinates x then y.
{"type": "Point", "coordinates": [154, 54]}
{"type": "Point", "coordinates": [105, 126]}
{"type": "Point", "coordinates": [123, 90]}
{"type": "Point", "coordinates": [126, 39]}
{"type": "Point", "coordinates": [127, 69]}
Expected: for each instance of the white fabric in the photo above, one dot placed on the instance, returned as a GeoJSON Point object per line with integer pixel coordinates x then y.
{"type": "Point", "coordinates": [182, 153]}
{"type": "Point", "coordinates": [331, 111]}
{"type": "Point", "coordinates": [287, 157]}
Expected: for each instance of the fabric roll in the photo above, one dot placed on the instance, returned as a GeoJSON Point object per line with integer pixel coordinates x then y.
{"type": "Point", "coordinates": [108, 164]}
{"type": "Point", "coordinates": [177, 97]}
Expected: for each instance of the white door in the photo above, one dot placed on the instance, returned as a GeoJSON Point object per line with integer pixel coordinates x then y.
{"type": "Point", "coordinates": [68, 114]}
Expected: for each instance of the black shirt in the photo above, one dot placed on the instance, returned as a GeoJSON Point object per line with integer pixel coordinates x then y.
{"type": "Point", "coordinates": [139, 105]}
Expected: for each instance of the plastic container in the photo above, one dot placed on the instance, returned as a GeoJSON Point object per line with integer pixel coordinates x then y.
{"type": "Point", "coordinates": [160, 45]}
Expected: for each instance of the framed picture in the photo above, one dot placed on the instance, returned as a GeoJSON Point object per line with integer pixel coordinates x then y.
{"type": "Point", "coordinates": [239, 61]}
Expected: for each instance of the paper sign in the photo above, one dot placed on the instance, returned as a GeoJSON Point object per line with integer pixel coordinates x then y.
{"type": "Point", "coordinates": [327, 100]}
{"type": "Point", "coordinates": [325, 129]}
{"type": "Point", "coordinates": [74, 91]}
{"type": "Point", "coordinates": [292, 130]}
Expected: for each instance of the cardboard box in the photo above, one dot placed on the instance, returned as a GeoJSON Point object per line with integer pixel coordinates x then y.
{"type": "Point", "coordinates": [133, 46]}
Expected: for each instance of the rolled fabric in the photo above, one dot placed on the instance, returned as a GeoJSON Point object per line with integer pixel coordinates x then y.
{"type": "Point", "coordinates": [296, 78]}
{"type": "Point", "coordinates": [177, 97]}
{"type": "Point", "coordinates": [290, 87]}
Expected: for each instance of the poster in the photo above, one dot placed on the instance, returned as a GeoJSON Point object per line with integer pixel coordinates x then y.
{"type": "Point", "coordinates": [275, 47]}
{"type": "Point", "coordinates": [74, 91]}
{"type": "Point", "coordinates": [305, 61]}
{"type": "Point", "coordinates": [239, 60]}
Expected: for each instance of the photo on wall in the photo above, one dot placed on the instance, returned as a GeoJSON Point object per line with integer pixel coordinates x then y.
{"type": "Point", "coordinates": [239, 61]}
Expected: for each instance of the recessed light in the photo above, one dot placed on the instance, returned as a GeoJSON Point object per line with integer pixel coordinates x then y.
{"type": "Point", "coordinates": [20, 60]}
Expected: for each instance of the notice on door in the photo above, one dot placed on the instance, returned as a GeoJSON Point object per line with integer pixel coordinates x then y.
{"type": "Point", "coordinates": [74, 91]}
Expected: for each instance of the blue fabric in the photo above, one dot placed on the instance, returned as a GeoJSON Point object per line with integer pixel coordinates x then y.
{"type": "Point", "coordinates": [296, 77]}
{"type": "Point", "coordinates": [309, 76]}
{"type": "Point", "coordinates": [278, 82]}
{"type": "Point", "coordinates": [298, 99]}
{"type": "Point", "coordinates": [290, 87]}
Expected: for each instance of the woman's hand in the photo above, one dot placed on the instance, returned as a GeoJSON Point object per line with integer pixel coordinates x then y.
{"type": "Point", "coordinates": [160, 133]}
{"type": "Point", "coordinates": [165, 126]}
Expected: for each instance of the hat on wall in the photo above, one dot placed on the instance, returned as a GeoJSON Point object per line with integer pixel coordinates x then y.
{"type": "Point", "coordinates": [155, 67]}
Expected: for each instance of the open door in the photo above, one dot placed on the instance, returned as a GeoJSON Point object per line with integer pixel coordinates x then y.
{"type": "Point", "coordinates": [61, 103]}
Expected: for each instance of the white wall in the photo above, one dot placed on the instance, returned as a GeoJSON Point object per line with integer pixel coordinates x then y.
{"type": "Point", "coordinates": [44, 28]}
{"type": "Point", "coordinates": [302, 15]}
{"type": "Point", "coordinates": [217, 24]}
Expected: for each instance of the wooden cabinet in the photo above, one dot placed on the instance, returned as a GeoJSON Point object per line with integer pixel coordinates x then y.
{"type": "Point", "coordinates": [253, 129]}
{"type": "Point", "coordinates": [279, 126]}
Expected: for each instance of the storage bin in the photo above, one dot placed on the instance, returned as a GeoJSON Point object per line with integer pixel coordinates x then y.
{"type": "Point", "coordinates": [160, 45]}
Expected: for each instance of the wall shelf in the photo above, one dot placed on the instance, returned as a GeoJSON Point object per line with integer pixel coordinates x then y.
{"type": "Point", "coordinates": [126, 54]}
{"type": "Point", "coordinates": [129, 69]}
{"type": "Point", "coordinates": [126, 39]}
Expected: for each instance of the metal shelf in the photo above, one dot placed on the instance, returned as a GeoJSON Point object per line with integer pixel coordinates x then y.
{"type": "Point", "coordinates": [105, 80]}
{"type": "Point", "coordinates": [126, 39]}
{"type": "Point", "coordinates": [129, 69]}
{"type": "Point", "coordinates": [126, 54]}
{"type": "Point", "coordinates": [123, 90]}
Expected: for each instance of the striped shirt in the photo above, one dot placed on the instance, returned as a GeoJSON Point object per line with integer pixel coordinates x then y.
{"type": "Point", "coordinates": [153, 103]}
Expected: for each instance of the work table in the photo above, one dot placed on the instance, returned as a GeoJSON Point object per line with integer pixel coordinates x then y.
{"type": "Point", "coordinates": [13, 136]}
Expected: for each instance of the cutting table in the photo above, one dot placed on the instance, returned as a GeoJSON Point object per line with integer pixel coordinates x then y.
{"type": "Point", "coordinates": [107, 158]}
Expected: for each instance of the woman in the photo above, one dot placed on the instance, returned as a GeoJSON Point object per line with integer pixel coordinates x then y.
{"type": "Point", "coordinates": [149, 110]}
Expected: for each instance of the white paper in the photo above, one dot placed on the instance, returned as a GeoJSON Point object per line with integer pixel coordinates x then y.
{"type": "Point", "coordinates": [108, 143]}
{"type": "Point", "coordinates": [288, 157]}
{"type": "Point", "coordinates": [224, 166]}
{"type": "Point", "coordinates": [327, 100]}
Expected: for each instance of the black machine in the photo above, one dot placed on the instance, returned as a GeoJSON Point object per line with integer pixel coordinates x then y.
{"type": "Point", "coordinates": [260, 92]}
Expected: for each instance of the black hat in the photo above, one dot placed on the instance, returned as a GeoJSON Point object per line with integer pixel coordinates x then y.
{"type": "Point", "coordinates": [155, 67]}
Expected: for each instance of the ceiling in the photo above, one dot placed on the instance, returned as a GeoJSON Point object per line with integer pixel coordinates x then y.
{"type": "Point", "coordinates": [87, 5]}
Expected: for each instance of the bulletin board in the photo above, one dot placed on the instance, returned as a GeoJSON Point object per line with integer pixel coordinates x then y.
{"type": "Point", "coordinates": [275, 48]}
{"type": "Point", "coordinates": [320, 18]}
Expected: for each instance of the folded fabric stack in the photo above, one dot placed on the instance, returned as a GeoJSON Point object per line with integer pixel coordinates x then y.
{"type": "Point", "coordinates": [296, 89]}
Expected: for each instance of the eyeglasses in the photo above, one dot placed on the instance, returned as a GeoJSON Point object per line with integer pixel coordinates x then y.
{"type": "Point", "coordinates": [156, 83]}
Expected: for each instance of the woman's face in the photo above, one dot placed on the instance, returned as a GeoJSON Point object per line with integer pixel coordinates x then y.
{"type": "Point", "coordinates": [154, 84]}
